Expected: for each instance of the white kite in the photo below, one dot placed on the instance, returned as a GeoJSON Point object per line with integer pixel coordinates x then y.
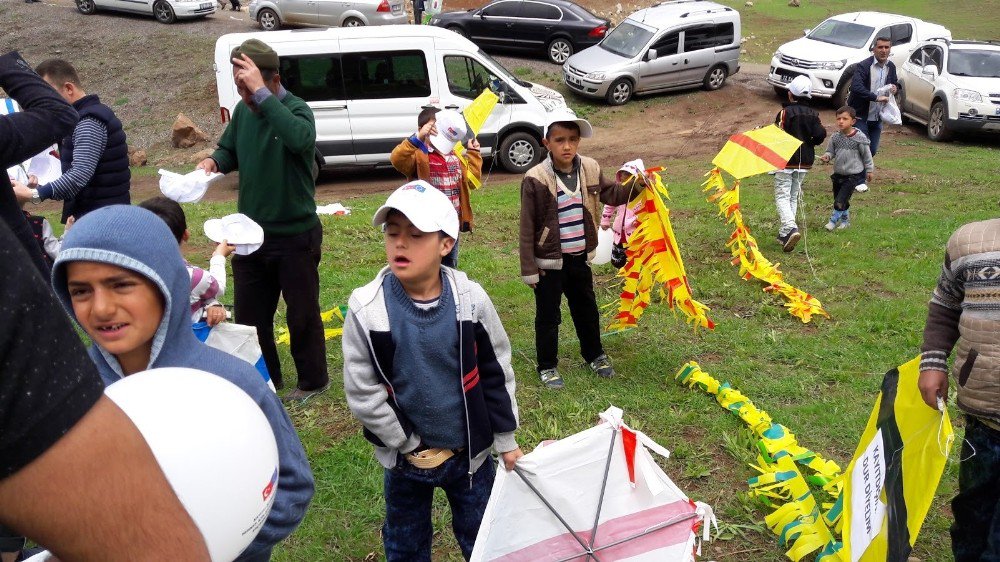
{"type": "Point", "coordinates": [596, 496]}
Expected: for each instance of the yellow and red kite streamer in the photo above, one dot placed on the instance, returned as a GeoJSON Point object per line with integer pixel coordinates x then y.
{"type": "Point", "coordinates": [338, 312]}
{"type": "Point", "coordinates": [746, 154]}
{"type": "Point", "coordinates": [654, 257]}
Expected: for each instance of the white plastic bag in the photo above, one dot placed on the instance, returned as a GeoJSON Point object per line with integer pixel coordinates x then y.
{"type": "Point", "coordinates": [888, 111]}
{"type": "Point", "coordinates": [237, 340]}
{"type": "Point", "coordinates": [605, 240]}
{"type": "Point", "coordinates": [237, 229]}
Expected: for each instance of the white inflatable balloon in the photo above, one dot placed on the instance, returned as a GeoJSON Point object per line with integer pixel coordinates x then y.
{"type": "Point", "coordinates": [605, 239]}
{"type": "Point", "coordinates": [214, 445]}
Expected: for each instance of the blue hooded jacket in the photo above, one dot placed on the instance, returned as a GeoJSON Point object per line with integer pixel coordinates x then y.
{"type": "Point", "coordinates": [136, 239]}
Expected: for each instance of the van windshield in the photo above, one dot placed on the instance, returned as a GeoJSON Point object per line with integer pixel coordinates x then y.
{"type": "Point", "coordinates": [982, 64]}
{"type": "Point", "coordinates": [626, 40]}
{"type": "Point", "coordinates": [503, 71]}
{"type": "Point", "coordinates": [843, 33]}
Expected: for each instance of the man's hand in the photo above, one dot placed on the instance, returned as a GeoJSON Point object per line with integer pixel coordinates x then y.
{"type": "Point", "coordinates": [510, 457]}
{"type": "Point", "coordinates": [224, 249]}
{"type": "Point", "coordinates": [893, 88]}
{"type": "Point", "coordinates": [215, 314]}
{"type": "Point", "coordinates": [933, 384]}
{"type": "Point", "coordinates": [248, 74]}
{"type": "Point", "coordinates": [882, 99]}
{"type": "Point", "coordinates": [22, 192]}
{"type": "Point", "coordinates": [427, 131]}
{"type": "Point", "coordinates": [208, 165]}
{"type": "Point", "coordinates": [473, 144]}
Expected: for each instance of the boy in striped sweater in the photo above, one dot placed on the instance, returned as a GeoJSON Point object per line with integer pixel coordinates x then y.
{"type": "Point", "coordinates": [561, 203]}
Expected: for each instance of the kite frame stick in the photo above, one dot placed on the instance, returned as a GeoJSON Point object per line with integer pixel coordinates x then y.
{"type": "Point", "coordinates": [587, 549]}
{"type": "Point", "coordinates": [650, 530]}
{"type": "Point", "coordinates": [604, 487]}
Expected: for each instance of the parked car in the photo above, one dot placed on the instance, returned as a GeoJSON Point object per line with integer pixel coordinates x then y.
{"type": "Point", "coordinates": [366, 87]}
{"type": "Point", "coordinates": [557, 27]}
{"type": "Point", "coordinates": [829, 52]}
{"type": "Point", "coordinates": [952, 86]}
{"type": "Point", "coordinates": [274, 14]}
{"type": "Point", "coordinates": [669, 46]}
{"type": "Point", "coordinates": [165, 11]}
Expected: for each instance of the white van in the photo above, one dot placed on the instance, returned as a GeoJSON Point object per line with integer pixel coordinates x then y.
{"type": "Point", "coordinates": [366, 86]}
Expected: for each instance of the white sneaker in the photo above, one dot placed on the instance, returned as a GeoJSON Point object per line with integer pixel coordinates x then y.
{"type": "Point", "coordinates": [830, 225]}
{"type": "Point", "coordinates": [861, 188]}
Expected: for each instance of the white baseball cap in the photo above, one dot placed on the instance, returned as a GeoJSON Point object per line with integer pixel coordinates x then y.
{"type": "Point", "coordinates": [451, 128]}
{"type": "Point", "coordinates": [566, 114]}
{"type": "Point", "coordinates": [801, 87]}
{"type": "Point", "coordinates": [426, 207]}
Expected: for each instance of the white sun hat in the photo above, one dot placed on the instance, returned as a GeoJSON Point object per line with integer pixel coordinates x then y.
{"type": "Point", "coordinates": [237, 229]}
{"type": "Point", "coordinates": [451, 129]}
{"type": "Point", "coordinates": [427, 208]}
{"type": "Point", "coordinates": [186, 188]}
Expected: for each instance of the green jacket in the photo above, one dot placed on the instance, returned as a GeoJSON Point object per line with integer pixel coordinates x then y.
{"type": "Point", "coordinates": [273, 150]}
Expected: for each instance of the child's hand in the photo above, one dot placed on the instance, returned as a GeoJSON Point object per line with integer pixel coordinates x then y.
{"type": "Point", "coordinates": [32, 180]}
{"type": "Point", "coordinates": [933, 384]}
{"type": "Point", "coordinates": [825, 159]}
{"type": "Point", "coordinates": [224, 249]}
{"type": "Point", "coordinates": [69, 224]}
{"type": "Point", "coordinates": [215, 314]}
{"type": "Point", "coordinates": [541, 273]}
{"type": "Point", "coordinates": [21, 192]}
{"type": "Point", "coordinates": [868, 177]}
{"type": "Point", "coordinates": [605, 226]}
{"type": "Point", "coordinates": [510, 457]}
{"type": "Point", "coordinates": [473, 144]}
{"type": "Point", "coordinates": [427, 131]}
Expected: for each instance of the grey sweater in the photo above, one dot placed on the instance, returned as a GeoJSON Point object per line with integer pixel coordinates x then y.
{"type": "Point", "coordinates": [851, 153]}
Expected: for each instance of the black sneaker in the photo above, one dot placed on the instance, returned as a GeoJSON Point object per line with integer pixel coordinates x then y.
{"type": "Point", "coordinates": [551, 379]}
{"type": "Point", "coordinates": [789, 240]}
{"type": "Point", "coordinates": [602, 367]}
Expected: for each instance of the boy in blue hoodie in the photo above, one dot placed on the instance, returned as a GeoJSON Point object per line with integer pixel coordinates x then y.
{"type": "Point", "coordinates": [427, 372]}
{"type": "Point", "coordinates": [130, 294]}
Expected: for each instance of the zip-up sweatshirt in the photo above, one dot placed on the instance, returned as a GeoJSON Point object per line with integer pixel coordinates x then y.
{"type": "Point", "coordinates": [485, 373]}
{"type": "Point", "coordinates": [851, 153]}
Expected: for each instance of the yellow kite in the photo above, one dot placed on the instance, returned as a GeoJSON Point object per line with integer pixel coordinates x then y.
{"type": "Point", "coordinates": [756, 152]}
{"type": "Point", "coordinates": [476, 114]}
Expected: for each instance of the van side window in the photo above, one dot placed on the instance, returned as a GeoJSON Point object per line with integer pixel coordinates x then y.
{"type": "Point", "coordinates": [386, 74]}
{"type": "Point", "coordinates": [708, 36]}
{"type": "Point", "coordinates": [466, 77]}
{"type": "Point", "coordinates": [667, 45]}
{"type": "Point", "coordinates": [313, 78]}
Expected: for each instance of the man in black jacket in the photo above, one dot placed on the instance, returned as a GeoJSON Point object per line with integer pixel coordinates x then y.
{"type": "Point", "coordinates": [802, 122]}
{"type": "Point", "coordinates": [94, 158]}
{"type": "Point", "coordinates": [870, 75]}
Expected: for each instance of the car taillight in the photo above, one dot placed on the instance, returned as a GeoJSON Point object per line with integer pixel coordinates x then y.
{"type": "Point", "coordinates": [383, 7]}
{"type": "Point", "coordinates": [598, 31]}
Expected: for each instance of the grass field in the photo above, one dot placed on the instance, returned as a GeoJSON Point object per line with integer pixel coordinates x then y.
{"type": "Point", "coordinates": [819, 379]}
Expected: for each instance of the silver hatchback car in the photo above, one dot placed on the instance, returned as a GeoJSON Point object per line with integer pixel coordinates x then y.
{"type": "Point", "coordinates": [273, 14]}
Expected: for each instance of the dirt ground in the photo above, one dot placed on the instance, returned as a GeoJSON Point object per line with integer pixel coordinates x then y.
{"type": "Point", "coordinates": [149, 72]}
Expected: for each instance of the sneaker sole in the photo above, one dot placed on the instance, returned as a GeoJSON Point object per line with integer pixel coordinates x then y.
{"type": "Point", "coordinates": [793, 239]}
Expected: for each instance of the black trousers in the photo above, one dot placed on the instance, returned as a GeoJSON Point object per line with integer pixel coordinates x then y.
{"type": "Point", "coordinates": [285, 266]}
{"type": "Point", "coordinates": [843, 189]}
{"type": "Point", "coordinates": [10, 541]}
{"type": "Point", "coordinates": [576, 281]}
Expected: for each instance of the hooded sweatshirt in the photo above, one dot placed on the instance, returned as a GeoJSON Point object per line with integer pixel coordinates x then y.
{"type": "Point", "coordinates": [136, 239]}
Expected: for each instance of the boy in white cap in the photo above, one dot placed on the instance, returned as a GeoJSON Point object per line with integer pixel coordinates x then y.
{"type": "Point", "coordinates": [429, 155]}
{"type": "Point", "coordinates": [427, 371]}
{"type": "Point", "coordinates": [561, 204]}
{"type": "Point", "coordinates": [802, 122]}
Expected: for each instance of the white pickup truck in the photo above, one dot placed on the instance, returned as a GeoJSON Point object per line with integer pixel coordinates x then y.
{"type": "Point", "coordinates": [828, 53]}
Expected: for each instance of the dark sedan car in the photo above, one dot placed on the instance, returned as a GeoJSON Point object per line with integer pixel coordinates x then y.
{"type": "Point", "coordinates": [558, 27]}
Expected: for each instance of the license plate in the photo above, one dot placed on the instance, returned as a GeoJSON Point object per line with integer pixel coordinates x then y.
{"type": "Point", "coordinates": [574, 80]}
{"type": "Point", "coordinates": [205, 6]}
{"type": "Point", "coordinates": [785, 78]}
{"type": "Point", "coordinates": [396, 8]}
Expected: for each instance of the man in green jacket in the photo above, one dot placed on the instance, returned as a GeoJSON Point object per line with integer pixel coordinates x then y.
{"type": "Point", "coordinates": [271, 140]}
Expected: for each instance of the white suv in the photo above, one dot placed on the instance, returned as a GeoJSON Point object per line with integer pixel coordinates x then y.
{"type": "Point", "coordinates": [828, 53]}
{"type": "Point", "coordinates": [952, 86]}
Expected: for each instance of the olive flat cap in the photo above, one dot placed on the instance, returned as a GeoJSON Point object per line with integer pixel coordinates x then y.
{"type": "Point", "coordinates": [259, 52]}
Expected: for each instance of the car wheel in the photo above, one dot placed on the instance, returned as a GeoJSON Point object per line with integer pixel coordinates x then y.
{"type": "Point", "coordinates": [620, 92]}
{"type": "Point", "coordinates": [458, 30]}
{"type": "Point", "coordinates": [86, 6]}
{"type": "Point", "coordinates": [839, 97]}
{"type": "Point", "coordinates": [268, 20]}
{"type": "Point", "coordinates": [559, 50]}
{"type": "Point", "coordinates": [715, 78]}
{"type": "Point", "coordinates": [937, 124]}
{"type": "Point", "coordinates": [353, 22]}
{"type": "Point", "coordinates": [519, 152]}
{"type": "Point", "coordinates": [163, 12]}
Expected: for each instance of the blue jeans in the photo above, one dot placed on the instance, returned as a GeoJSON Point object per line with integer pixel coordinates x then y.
{"type": "Point", "coordinates": [975, 536]}
{"type": "Point", "coordinates": [409, 492]}
{"type": "Point", "coordinates": [872, 130]}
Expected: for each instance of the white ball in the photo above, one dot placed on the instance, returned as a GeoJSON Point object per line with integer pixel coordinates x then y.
{"type": "Point", "coordinates": [214, 445]}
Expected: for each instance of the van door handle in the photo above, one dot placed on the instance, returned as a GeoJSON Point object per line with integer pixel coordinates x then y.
{"type": "Point", "coordinates": [685, 61]}
{"type": "Point", "coordinates": [324, 106]}
{"type": "Point", "coordinates": [452, 106]}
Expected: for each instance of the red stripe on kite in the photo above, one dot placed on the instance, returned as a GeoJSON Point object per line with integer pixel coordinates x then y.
{"type": "Point", "coordinates": [759, 150]}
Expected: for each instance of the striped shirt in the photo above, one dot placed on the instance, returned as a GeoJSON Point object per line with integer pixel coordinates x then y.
{"type": "Point", "coordinates": [446, 175]}
{"type": "Point", "coordinates": [571, 236]}
{"type": "Point", "coordinates": [90, 138]}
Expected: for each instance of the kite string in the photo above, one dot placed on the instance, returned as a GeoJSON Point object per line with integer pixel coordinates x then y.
{"type": "Point", "coordinates": [801, 195]}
